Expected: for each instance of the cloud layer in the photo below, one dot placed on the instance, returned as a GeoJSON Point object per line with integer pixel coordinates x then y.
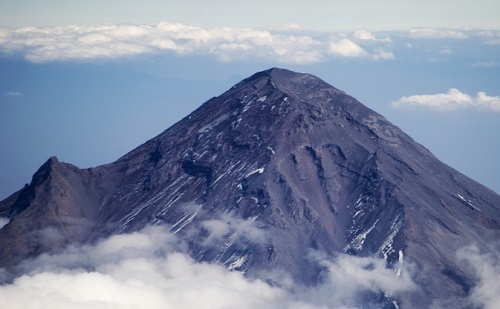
{"type": "Point", "coordinates": [148, 269]}
{"type": "Point", "coordinates": [434, 33]}
{"type": "Point", "coordinates": [151, 269]}
{"type": "Point", "coordinates": [454, 99]}
{"type": "Point", "coordinates": [289, 44]}
{"type": "Point", "coordinates": [286, 44]}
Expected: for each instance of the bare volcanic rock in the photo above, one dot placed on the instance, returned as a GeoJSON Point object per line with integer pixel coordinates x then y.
{"type": "Point", "coordinates": [310, 166]}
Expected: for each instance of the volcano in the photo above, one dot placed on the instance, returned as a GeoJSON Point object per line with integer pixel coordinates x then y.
{"type": "Point", "coordinates": [292, 165]}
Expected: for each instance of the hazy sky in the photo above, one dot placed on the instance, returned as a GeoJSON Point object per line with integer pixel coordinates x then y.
{"type": "Point", "coordinates": [313, 14]}
{"type": "Point", "coordinates": [89, 81]}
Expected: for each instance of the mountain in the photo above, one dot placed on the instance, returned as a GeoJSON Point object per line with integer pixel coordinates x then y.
{"type": "Point", "coordinates": [280, 165]}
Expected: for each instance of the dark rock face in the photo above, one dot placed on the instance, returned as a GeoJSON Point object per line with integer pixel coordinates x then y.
{"type": "Point", "coordinates": [310, 165]}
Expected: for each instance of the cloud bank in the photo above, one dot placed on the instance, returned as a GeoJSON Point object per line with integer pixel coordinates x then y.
{"type": "Point", "coordinates": [454, 99]}
{"type": "Point", "coordinates": [149, 269]}
{"type": "Point", "coordinates": [287, 44]}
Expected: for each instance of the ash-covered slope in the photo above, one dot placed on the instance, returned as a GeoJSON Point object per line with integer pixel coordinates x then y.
{"type": "Point", "coordinates": [290, 165]}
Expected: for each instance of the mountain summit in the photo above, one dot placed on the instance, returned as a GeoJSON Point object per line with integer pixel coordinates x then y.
{"type": "Point", "coordinates": [280, 165]}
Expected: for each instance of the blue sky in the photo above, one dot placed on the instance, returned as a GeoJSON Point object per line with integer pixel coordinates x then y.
{"type": "Point", "coordinates": [90, 81]}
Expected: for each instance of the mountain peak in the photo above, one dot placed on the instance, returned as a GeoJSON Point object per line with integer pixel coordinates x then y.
{"type": "Point", "coordinates": [284, 76]}
{"type": "Point", "coordinates": [302, 85]}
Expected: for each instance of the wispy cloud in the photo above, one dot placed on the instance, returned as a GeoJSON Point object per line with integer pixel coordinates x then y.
{"type": "Point", "coordinates": [484, 64]}
{"type": "Point", "coordinates": [13, 94]}
{"type": "Point", "coordinates": [452, 100]}
{"type": "Point", "coordinates": [487, 270]}
{"type": "Point", "coordinates": [228, 227]}
{"type": "Point", "coordinates": [436, 33]}
{"type": "Point", "coordinates": [149, 269]}
{"type": "Point", "coordinates": [492, 37]}
{"type": "Point", "coordinates": [287, 44]}
{"type": "Point", "coordinates": [495, 41]}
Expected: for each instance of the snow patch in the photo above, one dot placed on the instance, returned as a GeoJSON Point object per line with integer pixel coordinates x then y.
{"type": "Point", "coordinates": [358, 242]}
{"type": "Point", "coordinates": [215, 123]}
{"type": "Point", "coordinates": [357, 213]}
{"type": "Point", "coordinates": [219, 178]}
{"type": "Point", "coordinates": [236, 262]}
{"type": "Point", "coordinates": [359, 202]}
{"type": "Point", "coordinates": [259, 170]}
{"type": "Point", "coordinates": [398, 270]}
{"type": "Point", "coordinates": [185, 220]}
{"type": "Point", "coordinates": [249, 104]}
{"type": "Point", "coordinates": [386, 248]}
{"type": "Point", "coordinates": [4, 222]}
{"type": "Point", "coordinates": [469, 202]}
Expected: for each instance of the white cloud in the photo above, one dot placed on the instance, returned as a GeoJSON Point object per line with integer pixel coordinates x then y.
{"type": "Point", "coordinates": [346, 48]}
{"type": "Point", "coordinates": [381, 54]}
{"type": "Point", "coordinates": [285, 44]}
{"type": "Point", "coordinates": [364, 35]}
{"type": "Point", "coordinates": [149, 269]}
{"type": "Point", "coordinates": [368, 36]}
{"type": "Point", "coordinates": [492, 37]}
{"type": "Point", "coordinates": [227, 227]}
{"type": "Point", "coordinates": [350, 276]}
{"type": "Point", "coordinates": [487, 269]}
{"type": "Point", "coordinates": [487, 102]}
{"type": "Point", "coordinates": [435, 33]}
{"type": "Point", "coordinates": [452, 100]}
{"type": "Point", "coordinates": [362, 44]}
